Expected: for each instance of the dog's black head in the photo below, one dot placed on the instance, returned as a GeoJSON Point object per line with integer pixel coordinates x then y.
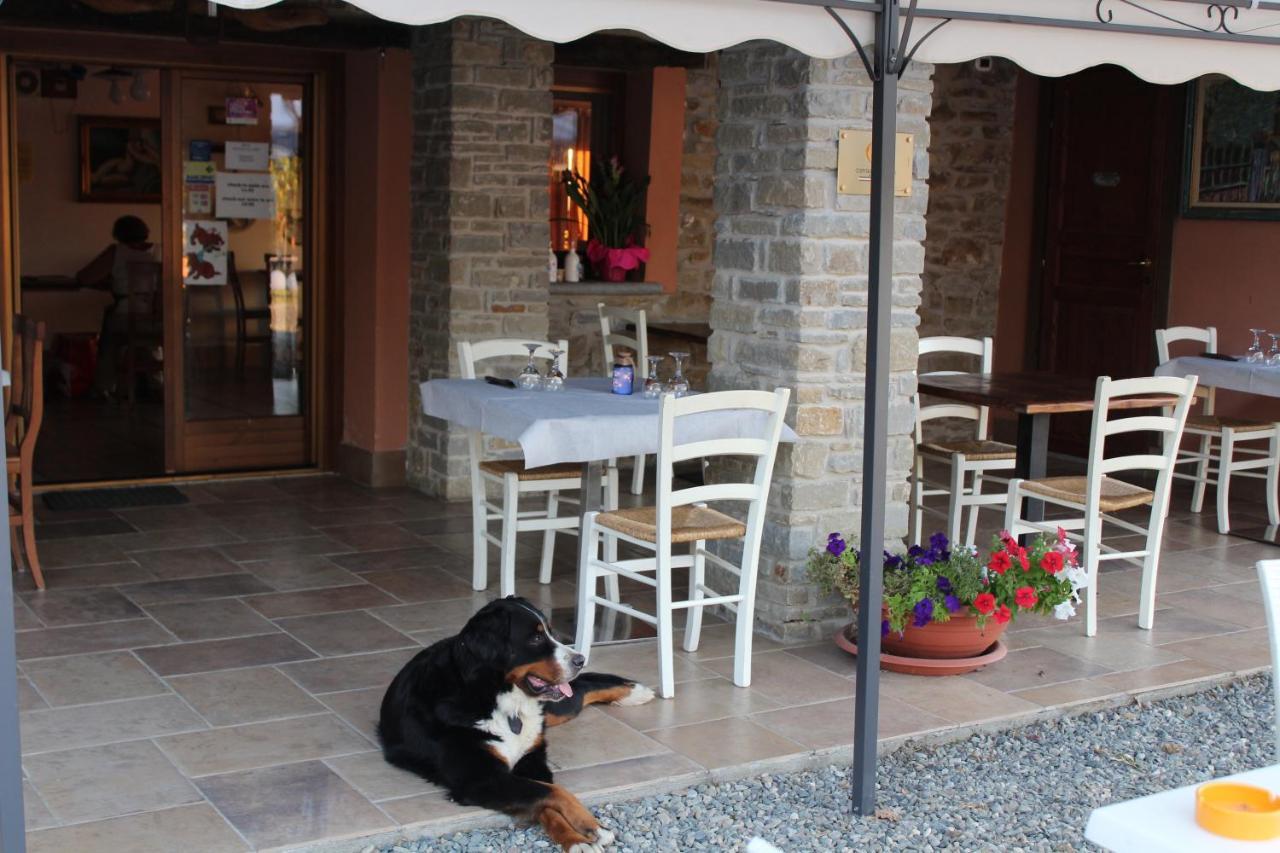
{"type": "Point", "coordinates": [512, 637]}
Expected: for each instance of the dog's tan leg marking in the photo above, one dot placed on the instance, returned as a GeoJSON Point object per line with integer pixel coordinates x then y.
{"type": "Point", "coordinates": [559, 830]}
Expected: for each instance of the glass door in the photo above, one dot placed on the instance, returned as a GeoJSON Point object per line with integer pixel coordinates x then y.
{"type": "Point", "coordinates": [240, 273]}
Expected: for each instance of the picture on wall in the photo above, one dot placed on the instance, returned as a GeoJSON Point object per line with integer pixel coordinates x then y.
{"type": "Point", "coordinates": [119, 159]}
{"type": "Point", "coordinates": [1233, 168]}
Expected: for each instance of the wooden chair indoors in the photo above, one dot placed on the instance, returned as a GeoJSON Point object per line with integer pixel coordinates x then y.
{"type": "Point", "coordinates": [22, 428]}
{"type": "Point", "coordinates": [144, 333]}
{"type": "Point", "coordinates": [246, 314]}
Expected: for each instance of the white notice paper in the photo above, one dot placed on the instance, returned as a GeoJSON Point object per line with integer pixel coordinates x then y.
{"type": "Point", "coordinates": [247, 156]}
{"type": "Point", "coordinates": [245, 195]}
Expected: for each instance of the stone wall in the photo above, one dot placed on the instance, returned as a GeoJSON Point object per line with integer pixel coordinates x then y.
{"type": "Point", "coordinates": [790, 300]}
{"type": "Point", "coordinates": [970, 156]}
{"type": "Point", "coordinates": [573, 310]}
{"type": "Point", "coordinates": [482, 130]}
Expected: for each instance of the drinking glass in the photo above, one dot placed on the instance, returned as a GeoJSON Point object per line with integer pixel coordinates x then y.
{"type": "Point", "coordinates": [652, 384]}
{"type": "Point", "coordinates": [555, 379]}
{"type": "Point", "coordinates": [1254, 355]}
{"type": "Point", "coordinates": [1273, 355]}
{"type": "Point", "coordinates": [530, 379]}
{"type": "Point", "coordinates": [678, 384]}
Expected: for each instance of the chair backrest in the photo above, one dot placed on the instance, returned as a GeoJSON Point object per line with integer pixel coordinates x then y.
{"type": "Point", "coordinates": [613, 318]}
{"type": "Point", "coordinates": [761, 443]}
{"type": "Point", "coordinates": [1208, 337]}
{"type": "Point", "coordinates": [472, 352]}
{"type": "Point", "coordinates": [26, 407]}
{"type": "Point", "coordinates": [1269, 578]}
{"type": "Point", "coordinates": [981, 348]}
{"type": "Point", "coordinates": [1167, 426]}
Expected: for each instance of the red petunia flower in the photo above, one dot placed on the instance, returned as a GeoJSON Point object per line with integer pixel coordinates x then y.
{"type": "Point", "coordinates": [984, 602]}
{"type": "Point", "coordinates": [1051, 562]}
{"type": "Point", "coordinates": [999, 562]}
{"type": "Point", "coordinates": [1003, 615]}
{"type": "Point", "coordinates": [1021, 555]}
{"type": "Point", "coordinates": [1025, 597]}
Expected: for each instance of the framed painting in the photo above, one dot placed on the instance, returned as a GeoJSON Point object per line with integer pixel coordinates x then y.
{"type": "Point", "coordinates": [120, 159]}
{"type": "Point", "coordinates": [1233, 151]}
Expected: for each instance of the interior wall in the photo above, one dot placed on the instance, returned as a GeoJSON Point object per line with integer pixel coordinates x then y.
{"type": "Point", "coordinates": [58, 233]}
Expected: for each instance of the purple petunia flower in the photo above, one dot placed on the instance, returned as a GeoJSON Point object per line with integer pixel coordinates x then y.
{"type": "Point", "coordinates": [891, 561]}
{"type": "Point", "coordinates": [944, 584]}
{"type": "Point", "coordinates": [835, 545]}
{"type": "Point", "coordinates": [884, 627]}
{"type": "Point", "coordinates": [915, 551]}
{"type": "Point", "coordinates": [953, 603]}
{"type": "Point", "coordinates": [924, 612]}
{"type": "Point", "coordinates": [938, 542]}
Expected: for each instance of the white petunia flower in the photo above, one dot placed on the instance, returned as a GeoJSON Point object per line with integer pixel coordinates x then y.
{"type": "Point", "coordinates": [1065, 610]}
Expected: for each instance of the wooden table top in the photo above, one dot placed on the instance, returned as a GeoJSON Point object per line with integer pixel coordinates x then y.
{"type": "Point", "coordinates": [1029, 393]}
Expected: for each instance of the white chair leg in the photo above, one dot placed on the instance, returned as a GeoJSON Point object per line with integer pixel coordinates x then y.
{"type": "Point", "coordinates": [1150, 570]}
{"type": "Point", "coordinates": [637, 475]}
{"type": "Point", "coordinates": [479, 544]}
{"type": "Point", "coordinates": [1092, 549]}
{"type": "Point", "coordinates": [697, 579]}
{"type": "Point", "coordinates": [1202, 474]}
{"type": "Point", "coordinates": [954, 507]}
{"type": "Point", "coordinates": [1224, 478]}
{"type": "Point", "coordinates": [611, 542]}
{"type": "Point", "coordinates": [1013, 507]}
{"type": "Point", "coordinates": [549, 539]}
{"type": "Point", "coordinates": [971, 534]}
{"type": "Point", "coordinates": [666, 650]}
{"type": "Point", "coordinates": [510, 508]}
{"type": "Point", "coordinates": [744, 625]}
{"type": "Point", "coordinates": [1273, 478]}
{"type": "Point", "coordinates": [586, 584]}
{"type": "Point", "coordinates": [916, 519]}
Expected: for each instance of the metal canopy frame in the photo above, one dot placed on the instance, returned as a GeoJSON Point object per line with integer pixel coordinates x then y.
{"type": "Point", "coordinates": [885, 61]}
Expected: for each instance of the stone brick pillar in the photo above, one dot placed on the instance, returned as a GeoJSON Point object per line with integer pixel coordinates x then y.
{"type": "Point", "coordinates": [482, 135]}
{"type": "Point", "coordinates": [790, 300]}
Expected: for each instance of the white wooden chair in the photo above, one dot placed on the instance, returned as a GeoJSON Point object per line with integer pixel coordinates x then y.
{"type": "Point", "coordinates": [976, 455]}
{"type": "Point", "coordinates": [1098, 495]}
{"type": "Point", "coordinates": [1269, 578]}
{"type": "Point", "coordinates": [683, 517]}
{"type": "Point", "coordinates": [515, 480]}
{"type": "Point", "coordinates": [1215, 463]}
{"type": "Point", "coordinates": [613, 318]}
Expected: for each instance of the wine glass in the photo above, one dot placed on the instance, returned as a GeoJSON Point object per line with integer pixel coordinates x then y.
{"type": "Point", "coordinates": [678, 384]}
{"type": "Point", "coordinates": [555, 379]}
{"type": "Point", "coordinates": [530, 379]}
{"type": "Point", "coordinates": [1254, 354]}
{"type": "Point", "coordinates": [652, 384]}
{"type": "Point", "coordinates": [1273, 355]}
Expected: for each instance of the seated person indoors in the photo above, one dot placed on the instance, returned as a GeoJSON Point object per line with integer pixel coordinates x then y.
{"type": "Point", "coordinates": [110, 271]}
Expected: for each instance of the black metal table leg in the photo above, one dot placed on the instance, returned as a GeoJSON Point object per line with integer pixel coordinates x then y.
{"type": "Point", "coordinates": [1033, 459]}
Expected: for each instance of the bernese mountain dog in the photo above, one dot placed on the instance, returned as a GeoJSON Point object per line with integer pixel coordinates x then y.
{"type": "Point", "coordinates": [468, 713]}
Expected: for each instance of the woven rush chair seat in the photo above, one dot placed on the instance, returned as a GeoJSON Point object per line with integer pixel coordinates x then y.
{"type": "Point", "coordinates": [688, 523]}
{"type": "Point", "coordinates": [1116, 494]}
{"type": "Point", "coordinates": [1217, 422]}
{"type": "Point", "coordinates": [972, 449]}
{"type": "Point", "coordinates": [502, 467]}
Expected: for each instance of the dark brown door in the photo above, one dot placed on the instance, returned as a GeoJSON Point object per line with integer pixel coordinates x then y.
{"type": "Point", "coordinates": [1105, 218]}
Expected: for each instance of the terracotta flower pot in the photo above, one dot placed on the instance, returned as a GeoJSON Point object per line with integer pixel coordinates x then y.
{"type": "Point", "coordinates": [958, 637]}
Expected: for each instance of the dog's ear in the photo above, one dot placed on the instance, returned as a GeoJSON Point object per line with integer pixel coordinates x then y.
{"type": "Point", "coordinates": [485, 641]}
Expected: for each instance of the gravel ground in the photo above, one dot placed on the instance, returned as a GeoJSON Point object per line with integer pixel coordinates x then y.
{"type": "Point", "coordinates": [1026, 789]}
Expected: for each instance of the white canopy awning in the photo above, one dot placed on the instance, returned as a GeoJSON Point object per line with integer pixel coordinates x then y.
{"type": "Point", "coordinates": [1047, 37]}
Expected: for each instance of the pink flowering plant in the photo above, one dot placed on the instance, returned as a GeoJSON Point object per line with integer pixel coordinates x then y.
{"type": "Point", "coordinates": [934, 583]}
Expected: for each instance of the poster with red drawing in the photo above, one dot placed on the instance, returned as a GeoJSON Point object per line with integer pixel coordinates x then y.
{"type": "Point", "coordinates": [204, 252]}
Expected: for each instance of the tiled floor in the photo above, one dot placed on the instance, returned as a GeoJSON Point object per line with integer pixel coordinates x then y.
{"type": "Point", "coordinates": [206, 677]}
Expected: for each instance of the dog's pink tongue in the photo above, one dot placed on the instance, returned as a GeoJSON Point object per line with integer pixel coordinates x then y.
{"type": "Point", "coordinates": [565, 689]}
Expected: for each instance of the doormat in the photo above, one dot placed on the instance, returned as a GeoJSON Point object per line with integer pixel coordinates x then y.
{"type": "Point", "coordinates": [114, 498]}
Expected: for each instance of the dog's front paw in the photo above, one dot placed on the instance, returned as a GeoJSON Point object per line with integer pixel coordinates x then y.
{"type": "Point", "coordinates": [584, 848]}
{"type": "Point", "coordinates": [604, 837]}
{"type": "Point", "coordinates": [638, 695]}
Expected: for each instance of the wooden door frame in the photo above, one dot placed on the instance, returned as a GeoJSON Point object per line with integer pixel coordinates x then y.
{"type": "Point", "coordinates": [1169, 212]}
{"type": "Point", "coordinates": [324, 68]}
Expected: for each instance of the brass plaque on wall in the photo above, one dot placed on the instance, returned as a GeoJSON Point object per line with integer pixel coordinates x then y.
{"type": "Point", "coordinates": [853, 163]}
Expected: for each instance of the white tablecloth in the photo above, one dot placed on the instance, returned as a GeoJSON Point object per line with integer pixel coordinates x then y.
{"type": "Point", "coordinates": [1232, 375]}
{"type": "Point", "coordinates": [1166, 822]}
{"type": "Point", "coordinates": [583, 423]}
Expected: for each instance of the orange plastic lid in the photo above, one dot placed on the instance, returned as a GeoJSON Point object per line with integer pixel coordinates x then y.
{"type": "Point", "coordinates": [1243, 812]}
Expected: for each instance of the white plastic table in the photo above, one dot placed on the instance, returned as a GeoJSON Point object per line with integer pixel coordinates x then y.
{"type": "Point", "coordinates": [1232, 375]}
{"type": "Point", "coordinates": [1166, 822]}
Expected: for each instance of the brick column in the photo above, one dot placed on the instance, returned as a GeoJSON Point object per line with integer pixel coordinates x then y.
{"type": "Point", "coordinates": [790, 300]}
{"type": "Point", "coordinates": [482, 132]}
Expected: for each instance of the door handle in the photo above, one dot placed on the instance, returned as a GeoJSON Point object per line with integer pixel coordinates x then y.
{"type": "Point", "coordinates": [1141, 262]}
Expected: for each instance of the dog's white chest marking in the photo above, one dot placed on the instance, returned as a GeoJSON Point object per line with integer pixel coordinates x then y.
{"type": "Point", "coordinates": [516, 725]}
